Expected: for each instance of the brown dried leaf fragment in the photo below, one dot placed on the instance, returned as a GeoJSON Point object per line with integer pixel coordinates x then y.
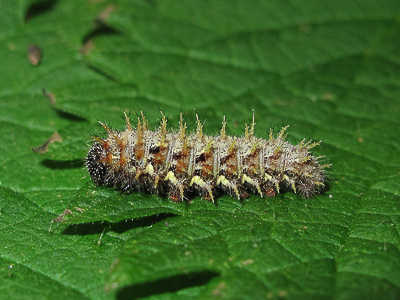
{"type": "Point", "coordinates": [105, 14]}
{"type": "Point", "coordinates": [60, 218]}
{"type": "Point", "coordinates": [87, 47]}
{"type": "Point", "coordinates": [45, 147]}
{"type": "Point", "coordinates": [34, 54]}
{"type": "Point", "coordinates": [50, 96]}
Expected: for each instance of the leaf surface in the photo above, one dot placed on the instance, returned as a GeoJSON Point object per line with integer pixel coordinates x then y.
{"type": "Point", "coordinates": [329, 69]}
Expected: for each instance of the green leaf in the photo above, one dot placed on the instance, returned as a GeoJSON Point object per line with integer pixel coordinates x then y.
{"type": "Point", "coordinates": [21, 282]}
{"type": "Point", "coordinates": [329, 69]}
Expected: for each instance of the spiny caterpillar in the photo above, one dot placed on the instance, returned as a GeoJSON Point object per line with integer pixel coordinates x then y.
{"type": "Point", "coordinates": [182, 164]}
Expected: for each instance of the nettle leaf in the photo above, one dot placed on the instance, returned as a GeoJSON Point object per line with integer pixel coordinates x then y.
{"type": "Point", "coordinates": [329, 69]}
{"type": "Point", "coordinates": [219, 240]}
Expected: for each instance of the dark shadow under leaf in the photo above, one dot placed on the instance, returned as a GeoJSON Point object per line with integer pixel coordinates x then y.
{"type": "Point", "coordinates": [68, 164]}
{"type": "Point", "coordinates": [166, 285]}
{"type": "Point", "coordinates": [118, 227]}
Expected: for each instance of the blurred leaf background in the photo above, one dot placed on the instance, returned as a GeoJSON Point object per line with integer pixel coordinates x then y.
{"type": "Point", "coordinates": [329, 69]}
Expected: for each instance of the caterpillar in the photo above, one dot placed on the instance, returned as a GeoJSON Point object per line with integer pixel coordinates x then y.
{"type": "Point", "coordinates": [179, 164]}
